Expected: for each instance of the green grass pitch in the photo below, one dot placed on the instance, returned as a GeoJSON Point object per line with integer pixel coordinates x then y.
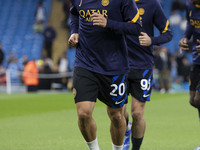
{"type": "Point", "coordinates": [48, 121]}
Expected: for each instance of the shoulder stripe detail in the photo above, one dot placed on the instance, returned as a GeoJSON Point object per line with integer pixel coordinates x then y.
{"type": "Point", "coordinates": [166, 27]}
{"type": "Point", "coordinates": [197, 5]}
{"type": "Point", "coordinates": [134, 20]}
{"type": "Point", "coordinates": [80, 3]}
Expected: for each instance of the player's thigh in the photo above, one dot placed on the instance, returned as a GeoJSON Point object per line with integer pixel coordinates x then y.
{"type": "Point", "coordinates": [137, 106]}
{"type": "Point", "coordinates": [140, 83]}
{"type": "Point", "coordinates": [85, 85]}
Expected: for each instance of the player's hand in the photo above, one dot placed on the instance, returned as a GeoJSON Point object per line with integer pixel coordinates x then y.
{"type": "Point", "coordinates": [144, 39]}
{"type": "Point", "coordinates": [198, 47]}
{"type": "Point", "coordinates": [183, 43]}
{"type": "Point", "coordinates": [73, 40]}
{"type": "Point", "coordinates": [99, 20]}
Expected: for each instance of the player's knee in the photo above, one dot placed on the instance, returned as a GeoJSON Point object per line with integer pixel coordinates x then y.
{"type": "Point", "coordinates": [137, 115]}
{"type": "Point", "coordinates": [117, 119]}
{"type": "Point", "coordinates": [84, 115]}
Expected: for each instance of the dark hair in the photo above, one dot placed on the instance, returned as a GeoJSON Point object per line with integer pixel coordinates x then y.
{"type": "Point", "coordinates": [40, 3]}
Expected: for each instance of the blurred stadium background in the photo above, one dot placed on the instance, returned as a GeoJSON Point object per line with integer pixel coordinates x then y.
{"type": "Point", "coordinates": [24, 39]}
{"type": "Point", "coordinates": [47, 120]}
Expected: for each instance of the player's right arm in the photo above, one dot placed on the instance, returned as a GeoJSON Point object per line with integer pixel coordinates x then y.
{"type": "Point", "coordinates": [74, 16]}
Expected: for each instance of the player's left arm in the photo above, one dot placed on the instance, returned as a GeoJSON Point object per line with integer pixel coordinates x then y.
{"type": "Point", "coordinates": [161, 22]}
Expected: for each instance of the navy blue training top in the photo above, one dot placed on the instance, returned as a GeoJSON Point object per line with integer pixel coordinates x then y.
{"type": "Point", "coordinates": [151, 13]}
{"type": "Point", "coordinates": [193, 28]}
{"type": "Point", "coordinates": [104, 50]}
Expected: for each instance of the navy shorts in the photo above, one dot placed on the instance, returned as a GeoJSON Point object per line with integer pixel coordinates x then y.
{"type": "Point", "coordinates": [195, 78]}
{"type": "Point", "coordinates": [110, 89]}
{"type": "Point", "coordinates": [140, 83]}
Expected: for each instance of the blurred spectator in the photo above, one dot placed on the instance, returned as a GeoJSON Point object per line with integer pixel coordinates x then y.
{"type": "Point", "coordinates": [66, 10]}
{"type": "Point", "coordinates": [71, 58]}
{"type": "Point", "coordinates": [10, 58]}
{"type": "Point", "coordinates": [62, 68]}
{"type": "Point", "coordinates": [177, 85]}
{"type": "Point", "coordinates": [38, 27]}
{"type": "Point", "coordinates": [45, 83]}
{"type": "Point", "coordinates": [62, 63]}
{"type": "Point", "coordinates": [2, 76]}
{"type": "Point", "coordinates": [174, 66]}
{"type": "Point", "coordinates": [49, 37]}
{"type": "Point", "coordinates": [185, 69]}
{"type": "Point", "coordinates": [163, 64]}
{"type": "Point", "coordinates": [1, 55]}
{"type": "Point", "coordinates": [40, 13]}
{"type": "Point", "coordinates": [179, 60]}
{"type": "Point", "coordinates": [56, 82]}
{"type": "Point", "coordinates": [22, 62]}
{"type": "Point", "coordinates": [175, 19]}
{"type": "Point", "coordinates": [40, 18]}
{"type": "Point", "coordinates": [30, 76]}
{"type": "Point", "coordinates": [183, 24]}
{"type": "Point", "coordinates": [177, 5]}
{"type": "Point", "coordinates": [156, 84]}
{"type": "Point", "coordinates": [14, 71]}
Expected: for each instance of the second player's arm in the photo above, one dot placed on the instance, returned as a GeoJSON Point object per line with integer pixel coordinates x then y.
{"type": "Point", "coordinates": [161, 22]}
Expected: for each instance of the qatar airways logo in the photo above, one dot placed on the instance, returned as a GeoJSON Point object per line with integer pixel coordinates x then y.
{"type": "Point", "coordinates": [195, 23]}
{"type": "Point", "coordinates": [87, 14]}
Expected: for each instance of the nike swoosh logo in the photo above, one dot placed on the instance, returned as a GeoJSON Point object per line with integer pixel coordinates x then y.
{"type": "Point", "coordinates": [146, 95]}
{"type": "Point", "coordinates": [119, 102]}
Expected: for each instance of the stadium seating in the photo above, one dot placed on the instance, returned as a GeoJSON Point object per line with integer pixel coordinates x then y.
{"type": "Point", "coordinates": [16, 28]}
